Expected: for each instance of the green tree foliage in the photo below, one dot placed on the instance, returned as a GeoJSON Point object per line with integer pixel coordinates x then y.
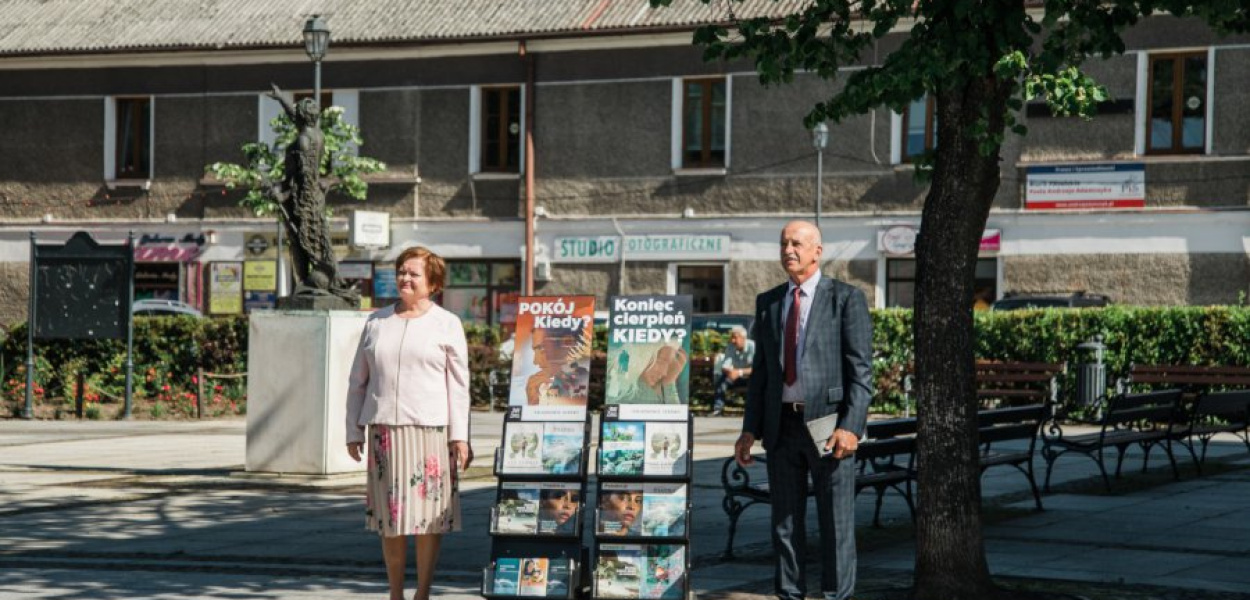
{"type": "Point", "coordinates": [263, 167]}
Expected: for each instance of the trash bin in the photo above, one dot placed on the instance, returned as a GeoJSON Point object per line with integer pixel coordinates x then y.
{"type": "Point", "coordinates": [1091, 378]}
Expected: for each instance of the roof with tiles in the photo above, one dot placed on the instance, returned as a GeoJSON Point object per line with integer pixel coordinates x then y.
{"type": "Point", "coordinates": [34, 27]}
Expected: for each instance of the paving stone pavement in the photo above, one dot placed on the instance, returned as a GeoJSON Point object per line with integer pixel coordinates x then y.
{"type": "Point", "coordinates": [111, 510]}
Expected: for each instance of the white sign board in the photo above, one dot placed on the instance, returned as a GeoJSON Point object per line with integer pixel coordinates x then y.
{"type": "Point", "coordinates": [370, 229]}
{"type": "Point", "coordinates": [1088, 186]}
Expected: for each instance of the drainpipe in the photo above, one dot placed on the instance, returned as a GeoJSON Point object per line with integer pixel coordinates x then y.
{"type": "Point", "coordinates": [529, 168]}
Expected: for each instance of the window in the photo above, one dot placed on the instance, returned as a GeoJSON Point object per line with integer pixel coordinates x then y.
{"type": "Point", "coordinates": [483, 292]}
{"type": "Point", "coordinates": [325, 101]}
{"type": "Point", "coordinates": [705, 283]}
{"type": "Point", "coordinates": [1178, 104]}
{"type": "Point", "coordinates": [134, 135]}
{"type": "Point", "coordinates": [704, 111]}
{"type": "Point", "coordinates": [501, 129]}
{"type": "Point", "coordinates": [900, 283]}
{"type": "Point", "coordinates": [919, 128]}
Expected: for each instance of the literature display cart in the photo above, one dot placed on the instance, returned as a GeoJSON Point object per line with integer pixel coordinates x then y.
{"type": "Point", "coordinates": [645, 462]}
{"type": "Point", "coordinates": [537, 521]}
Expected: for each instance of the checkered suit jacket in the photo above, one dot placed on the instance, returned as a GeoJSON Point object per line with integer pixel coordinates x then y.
{"type": "Point", "coordinates": [836, 365]}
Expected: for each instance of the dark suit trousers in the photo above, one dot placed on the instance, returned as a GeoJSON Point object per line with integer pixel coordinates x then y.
{"type": "Point", "coordinates": [791, 460]}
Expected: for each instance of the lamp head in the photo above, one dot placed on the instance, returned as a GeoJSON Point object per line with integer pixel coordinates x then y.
{"type": "Point", "coordinates": [820, 136]}
{"type": "Point", "coordinates": [316, 37]}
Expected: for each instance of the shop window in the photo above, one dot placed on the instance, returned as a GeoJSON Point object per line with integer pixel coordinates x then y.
{"type": "Point", "coordinates": [483, 292]}
{"type": "Point", "coordinates": [1178, 104]}
{"type": "Point", "coordinates": [919, 130]}
{"type": "Point", "coordinates": [900, 283]}
{"type": "Point", "coordinates": [133, 138]}
{"type": "Point", "coordinates": [705, 284]}
{"type": "Point", "coordinates": [704, 113]}
{"type": "Point", "coordinates": [501, 130]}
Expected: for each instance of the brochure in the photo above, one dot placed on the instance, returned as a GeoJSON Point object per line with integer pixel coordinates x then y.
{"type": "Point", "coordinates": [622, 448]}
{"type": "Point", "coordinates": [542, 448]}
{"type": "Point", "coordinates": [552, 349]}
{"type": "Point", "coordinates": [649, 350]}
{"type": "Point", "coordinates": [517, 509]}
{"type": "Point", "coordinates": [642, 509]}
{"type": "Point", "coordinates": [646, 571]}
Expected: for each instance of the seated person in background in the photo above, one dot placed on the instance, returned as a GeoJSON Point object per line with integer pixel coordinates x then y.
{"type": "Point", "coordinates": [733, 367]}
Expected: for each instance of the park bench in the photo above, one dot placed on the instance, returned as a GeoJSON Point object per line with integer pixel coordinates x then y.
{"type": "Point", "coordinates": [1002, 384]}
{"type": "Point", "coordinates": [998, 427]}
{"type": "Point", "coordinates": [883, 462]}
{"type": "Point", "coordinates": [1214, 400]}
{"type": "Point", "coordinates": [1142, 419]}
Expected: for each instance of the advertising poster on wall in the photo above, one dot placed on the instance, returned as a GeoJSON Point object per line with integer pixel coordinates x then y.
{"type": "Point", "coordinates": [551, 357]}
{"type": "Point", "coordinates": [649, 351]}
{"type": "Point", "coordinates": [225, 288]}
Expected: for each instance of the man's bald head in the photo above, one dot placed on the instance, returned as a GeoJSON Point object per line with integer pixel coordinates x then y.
{"type": "Point", "coordinates": [801, 250]}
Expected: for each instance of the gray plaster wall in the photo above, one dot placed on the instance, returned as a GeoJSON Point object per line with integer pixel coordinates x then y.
{"type": "Point", "coordinates": [1146, 279]}
{"type": "Point", "coordinates": [53, 155]}
{"type": "Point", "coordinates": [1231, 129]}
{"type": "Point", "coordinates": [598, 280]}
{"type": "Point", "coordinates": [14, 292]}
{"type": "Point", "coordinates": [606, 130]}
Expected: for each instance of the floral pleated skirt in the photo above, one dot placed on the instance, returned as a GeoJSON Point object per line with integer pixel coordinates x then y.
{"type": "Point", "coordinates": [412, 487]}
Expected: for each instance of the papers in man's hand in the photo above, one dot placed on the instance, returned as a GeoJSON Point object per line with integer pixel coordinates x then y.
{"type": "Point", "coordinates": [821, 430]}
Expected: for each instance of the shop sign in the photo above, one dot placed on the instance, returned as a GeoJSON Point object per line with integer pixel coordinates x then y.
{"type": "Point", "coordinates": [384, 285]}
{"type": "Point", "coordinates": [260, 275]}
{"type": "Point", "coordinates": [1086, 186]}
{"type": "Point", "coordinates": [225, 288]}
{"type": "Point", "coordinates": [156, 247]}
{"type": "Point", "coordinates": [588, 249]}
{"type": "Point", "coordinates": [370, 229]}
{"type": "Point", "coordinates": [262, 244]}
{"type": "Point", "coordinates": [900, 240]}
{"type": "Point", "coordinates": [679, 246]}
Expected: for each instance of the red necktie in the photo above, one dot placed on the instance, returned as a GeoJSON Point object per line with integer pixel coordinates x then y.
{"type": "Point", "coordinates": [792, 340]}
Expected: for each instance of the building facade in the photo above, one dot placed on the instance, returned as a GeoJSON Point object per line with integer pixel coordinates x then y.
{"type": "Point", "coordinates": [653, 171]}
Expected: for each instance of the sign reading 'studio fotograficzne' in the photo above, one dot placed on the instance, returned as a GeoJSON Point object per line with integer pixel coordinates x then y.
{"type": "Point", "coordinates": [677, 246]}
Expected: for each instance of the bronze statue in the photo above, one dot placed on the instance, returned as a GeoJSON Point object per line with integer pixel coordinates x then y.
{"type": "Point", "coordinates": [301, 196]}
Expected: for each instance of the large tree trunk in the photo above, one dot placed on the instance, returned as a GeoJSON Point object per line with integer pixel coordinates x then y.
{"type": "Point", "coordinates": [950, 549]}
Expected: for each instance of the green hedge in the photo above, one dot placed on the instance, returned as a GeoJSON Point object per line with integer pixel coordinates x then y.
{"type": "Point", "coordinates": [169, 350]}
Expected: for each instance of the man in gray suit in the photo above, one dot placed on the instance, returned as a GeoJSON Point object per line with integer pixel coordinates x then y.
{"type": "Point", "coordinates": [813, 357]}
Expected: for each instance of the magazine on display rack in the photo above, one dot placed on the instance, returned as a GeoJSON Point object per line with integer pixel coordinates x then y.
{"type": "Point", "coordinates": [542, 448]}
{"type": "Point", "coordinates": [648, 358]}
{"type": "Point", "coordinates": [551, 356]}
{"type": "Point", "coordinates": [644, 571]}
{"type": "Point", "coordinates": [630, 448]}
{"type": "Point", "coordinates": [537, 508]}
{"type": "Point", "coordinates": [642, 509]}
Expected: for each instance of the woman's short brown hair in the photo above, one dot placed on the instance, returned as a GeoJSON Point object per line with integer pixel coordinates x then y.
{"type": "Point", "coordinates": [435, 267]}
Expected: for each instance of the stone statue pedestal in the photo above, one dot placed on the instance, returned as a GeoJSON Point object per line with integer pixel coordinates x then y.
{"type": "Point", "coordinates": [298, 364]}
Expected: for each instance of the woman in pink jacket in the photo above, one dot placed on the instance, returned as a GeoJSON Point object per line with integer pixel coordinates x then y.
{"type": "Point", "coordinates": [409, 391]}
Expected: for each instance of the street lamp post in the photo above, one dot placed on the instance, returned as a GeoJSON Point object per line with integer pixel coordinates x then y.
{"type": "Point", "coordinates": [316, 42]}
{"type": "Point", "coordinates": [820, 138]}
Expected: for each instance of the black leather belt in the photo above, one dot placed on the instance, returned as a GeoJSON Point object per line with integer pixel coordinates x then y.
{"type": "Point", "coordinates": [792, 408]}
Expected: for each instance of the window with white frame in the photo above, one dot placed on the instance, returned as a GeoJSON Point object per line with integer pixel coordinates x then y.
{"type": "Point", "coordinates": [919, 128]}
{"type": "Point", "coordinates": [128, 138]}
{"type": "Point", "coordinates": [1177, 103]}
{"type": "Point", "coordinates": [496, 129]}
{"type": "Point", "coordinates": [704, 130]}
